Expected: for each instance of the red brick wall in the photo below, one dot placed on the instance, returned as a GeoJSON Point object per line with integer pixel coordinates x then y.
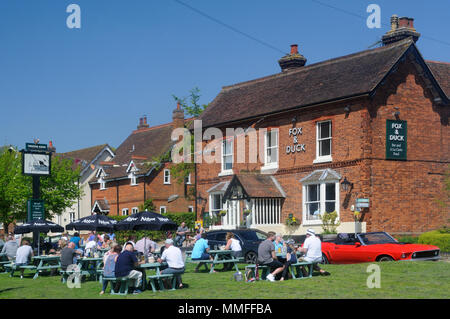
{"type": "Point", "coordinates": [402, 194]}
{"type": "Point", "coordinates": [133, 195]}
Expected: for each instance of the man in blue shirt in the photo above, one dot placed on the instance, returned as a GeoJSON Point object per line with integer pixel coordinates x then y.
{"type": "Point", "coordinates": [200, 251]}
{"type": "Point", "coordinates": [125, 264]}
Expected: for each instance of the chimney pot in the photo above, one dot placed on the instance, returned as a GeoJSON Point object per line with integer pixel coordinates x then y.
{"type": "Point", "coordinates": [294, 48]}
{"type": "Point", "coordinates": [401, 28]}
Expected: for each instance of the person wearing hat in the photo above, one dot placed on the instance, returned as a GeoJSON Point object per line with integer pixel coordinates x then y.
{"type": "Point", "coordinates": [174, 258]}
{"type": "Point", "coordinates": [312, 248]}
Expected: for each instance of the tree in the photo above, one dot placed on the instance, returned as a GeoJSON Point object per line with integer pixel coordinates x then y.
{"type": "Point", "coordinates": [15, 188]}
{"type": "Point", "coordinates": [194, 109]}
{"type": "Point", "coordinates": [59, 190]}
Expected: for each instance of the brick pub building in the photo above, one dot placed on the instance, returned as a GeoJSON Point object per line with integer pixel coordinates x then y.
{"type": "Point", "coordinates": [136, 173]}
{"type": "Point", "coordinates": [373, 126]}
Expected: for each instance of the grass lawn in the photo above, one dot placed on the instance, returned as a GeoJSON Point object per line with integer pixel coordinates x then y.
{"type": "Point", "coordinates": [398, 280]}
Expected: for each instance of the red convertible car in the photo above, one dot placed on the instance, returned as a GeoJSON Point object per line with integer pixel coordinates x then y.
{"type": "Point", "coordinates": [376, 246]}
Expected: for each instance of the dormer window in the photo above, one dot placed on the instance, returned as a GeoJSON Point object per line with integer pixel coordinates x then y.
{"type": "Point", "coordinates": [167, 176]}
{"type": "Point", "coordinates": [133, 179]}
{"type": "Point", "coordinates": [102, 184]}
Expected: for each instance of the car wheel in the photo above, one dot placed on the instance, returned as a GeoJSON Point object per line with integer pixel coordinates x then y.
{"type": "Point", "coordinates": [385, 258]}
{"type": "Point", "coordinates": [251, 257]}
{"type": "Point", "coordinates": [324, 259]}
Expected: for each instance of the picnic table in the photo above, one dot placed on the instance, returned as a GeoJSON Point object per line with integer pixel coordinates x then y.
{"type": "Point", "coordinates": [223, 257]}
{"type": "Point", "coordinates": [90, 266]}
{"type": "Point", "coordinates": [151, 266]}
{"type": "Point", "coordinates": [44, 263]}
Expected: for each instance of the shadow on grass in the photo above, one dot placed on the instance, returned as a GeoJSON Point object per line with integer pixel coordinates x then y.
{"type": "Point", "coordinates": [9, 289]}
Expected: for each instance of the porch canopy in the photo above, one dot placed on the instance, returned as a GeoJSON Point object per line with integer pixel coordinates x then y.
{"type": "Point", "coordinates": [100, 206]}
{"type": "Point", "coordinates": [248, 186]}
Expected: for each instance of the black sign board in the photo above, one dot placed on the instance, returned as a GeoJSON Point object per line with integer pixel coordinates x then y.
{"type": "Point", "coordinates": [31, 147]}
{"type": "Point", "coordinates": [396, 142]}
{"type": "Point", "coordinates": [35, 209]}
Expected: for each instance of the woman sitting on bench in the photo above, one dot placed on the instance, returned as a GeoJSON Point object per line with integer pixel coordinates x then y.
{"type": "Point", "coordinates": [110, 265]}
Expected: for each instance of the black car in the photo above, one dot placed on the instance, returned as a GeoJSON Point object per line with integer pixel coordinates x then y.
{"type": "Point", "coordinates": [248, 238]}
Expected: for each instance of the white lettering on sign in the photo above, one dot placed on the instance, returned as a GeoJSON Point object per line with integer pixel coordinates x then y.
{"type": "Point", "coordinates": [296, 147]}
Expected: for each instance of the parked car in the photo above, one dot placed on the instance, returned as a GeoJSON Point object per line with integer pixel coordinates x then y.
{"type": "Point", "coordinates": [248, 238]}
{"type": "Point", "coordinates": [374, 246]}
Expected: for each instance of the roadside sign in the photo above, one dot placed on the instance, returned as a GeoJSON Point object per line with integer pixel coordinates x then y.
{"type": "Point", "coordinates": [35, 209]}
{"type": "Point", "coordinates": [36, 163]}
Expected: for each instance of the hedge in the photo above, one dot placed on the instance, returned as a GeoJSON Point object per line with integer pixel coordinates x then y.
{"type": "Point", "coordinates": [437, 238]}
{"type": "Point", "coordinates": [156, 235]}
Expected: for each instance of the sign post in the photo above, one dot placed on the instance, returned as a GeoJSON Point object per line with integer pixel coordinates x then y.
{"type": "Point", "coordinates": [36, 162]}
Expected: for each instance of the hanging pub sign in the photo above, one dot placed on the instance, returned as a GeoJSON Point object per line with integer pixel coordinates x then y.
{"type": "Point", "coordinates": [36, 163]}
{"type": "Point", "coordinates": [396, 143]}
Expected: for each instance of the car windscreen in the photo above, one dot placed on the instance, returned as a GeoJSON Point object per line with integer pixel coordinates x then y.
{"type": "Point", "coordinates": [376, 238]}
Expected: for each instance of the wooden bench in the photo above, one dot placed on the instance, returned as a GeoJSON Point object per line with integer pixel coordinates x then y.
{"type": "Point", "coordinates": [158, 278]}
{"type": "Point", "coordinates": [252, 274]}
{"type": "Point", "coordinates": [124, 285]}
{"type": "Point", "coordinates": [3, 266]}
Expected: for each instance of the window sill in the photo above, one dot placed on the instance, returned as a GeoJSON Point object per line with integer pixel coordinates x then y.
{"type": "Point", "coordinates": [226, 173]}
{"type": "Point", "coordinates": [269, 167]}
{"type": "Point", "coordinates": [312, 222]}
{"type": "Point", "coordinates": [324, 159]}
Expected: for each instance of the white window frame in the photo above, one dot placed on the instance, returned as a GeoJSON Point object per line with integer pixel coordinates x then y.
{"type": "Point", "coordinates": [322, 201]}
{"type": "Point", "coordinates": [134, 210]}
{"type": "Point", "coordinates": [271, 165]}
{"type": "Point", "coordinates": [326, 158]}
{"type": "Point", "coordinates": [161, 208]}
{"type": "Point", "coordinates": [102, 184]}
{"type": "Point", "coordinates": [72, 217]}
{"type": "Point", "coordinates": [224, 171]}
{"type": "Point", "coordinates": [190, 209]}
{"type": "Point", "coordinates": [222, 205]}
{"type": "Point", "coordinates": [125, 212]}
{"type": "Point", "coordinates": [167, 181]}
{"type": "Point", "coordinates": [133, 179]}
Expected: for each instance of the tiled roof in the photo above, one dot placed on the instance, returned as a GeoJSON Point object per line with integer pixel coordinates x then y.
{"type": "Point", "coordinates": [441, 71]}
{"type": "Point", "coordinates": [334, 79]}
{"type": "Point", "coordinates": [84, 156]}
{"type": "Point", "coordinates": [257, 186]}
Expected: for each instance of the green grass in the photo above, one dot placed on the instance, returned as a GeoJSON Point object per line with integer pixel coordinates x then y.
{"type": "Point", "coordinates": [398, 280]}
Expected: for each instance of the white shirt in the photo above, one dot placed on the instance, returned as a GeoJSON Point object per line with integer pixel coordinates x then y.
{"type": "Point", "coordinates": [314, 246]}
{"type": "Point", "coordinates": [173, 257]}
{"type": "Point", "coordinates": [90, 244]}
{"type": "Point", "coordinates": [235, 245]}
{"type": "Point", "coordinates": [23, 253]}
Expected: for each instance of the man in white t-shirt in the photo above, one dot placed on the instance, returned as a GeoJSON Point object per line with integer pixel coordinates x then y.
{"type": "Point", "coordinates": [174, 258]}
{"type": "Point", "coordinates": [23, 255]}
{"type": "Point", "coordinates": [312, 247]}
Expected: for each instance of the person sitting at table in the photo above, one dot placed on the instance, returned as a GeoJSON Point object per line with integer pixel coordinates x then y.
{"type": "Point", "coordinates": [23, 255]}
{"type": "Point", "coordinates": [69, 255]}
{"type": "Point", "coordinates": [109, 262]}
{"type": "Point", "coordinates": [10, 248]}
{"type": "Point", "coordinates": [312, 248]}
{"type": "Point", "coordinates": [91, 246]}
{"type": "Point", "coordinates": [181, 234]}
{"type": "Point", "coordinates": [145, 245]}
{"type": "Point", "coordinates": [200, 251]}
{"type": "Point", "coordinates": [112, 245]}
{"type": "Point", "coordinates": [125, 264]}
{"type": "Point", "coordinates": [234, 245]}
{"type": "Point", "coordinates": [132, 240]}
{"type": "Point", "coordinates": [267, 256]}
{"type": "Point", "coordinates": [106, 242]}
{"type": "Point", "coordinates": [291, 258]}
{"type": "Point", "coordinates": [278, 243]}
{"type": "Point", "coordinates": [76, 240]}
{"type": "Point", "coordinates": [174, 258]}
{"type": "Point", "coordinates": [92, 235]}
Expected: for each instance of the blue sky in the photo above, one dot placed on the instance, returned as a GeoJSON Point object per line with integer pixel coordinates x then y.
{"type": "Point", "coordinates": [89, 86]}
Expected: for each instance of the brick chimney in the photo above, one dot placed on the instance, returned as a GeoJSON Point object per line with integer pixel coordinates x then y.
{"type": "Point", "coordinates": [178, 117]}
{"type": "Point", "coordinates": [51, 148]}
{"type": "Point", "coordinates": [293, 60]}
{"type": "Point", "coordinates": [142, 123]}
{"type": "Point", "coordinates": [401, 28]}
